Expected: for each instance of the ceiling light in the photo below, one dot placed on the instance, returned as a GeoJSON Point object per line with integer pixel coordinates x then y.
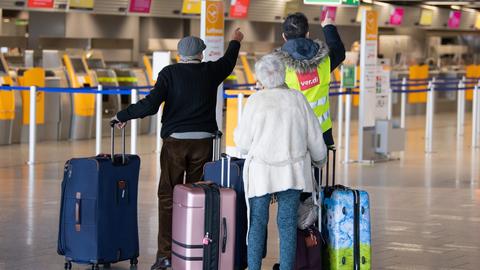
{"type": "Point", "coordinates": [469, 10]}
{"type": "Point", "coordinates": [368, 1]}
{"type": "Point", "coordinates": [455, 7]}
{"type": "Point", "coordinates": [429, 7]}
{"type": "Point", "coordinates": [381, 4]}
{"type": "Point", "coordinates": [447, 3]}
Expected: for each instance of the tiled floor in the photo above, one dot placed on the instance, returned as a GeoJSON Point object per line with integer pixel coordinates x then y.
{"type": "Point", "coordinates": [425, 207]}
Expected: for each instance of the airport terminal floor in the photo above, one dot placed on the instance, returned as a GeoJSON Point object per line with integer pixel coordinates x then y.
{"type": "Point", "coordinates": [425, 207]}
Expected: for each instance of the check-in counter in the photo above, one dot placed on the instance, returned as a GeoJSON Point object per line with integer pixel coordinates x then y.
{"type": "Point", "coordinates": [59, 79]}
{"type": "Point", "coordinates": [56, 76]}
{"type": "Point", "coordinates": [232, 118]}
{"type": "Point", "coordinates": [83, 105]}
{"type": "Point", "coordinates": [147, 125]}
{"type": "Point", "coordinates": [20, 131]}
{"type": "Point", "coordinates": [7, 110]}
{"type": "Point", "coordinates": [132, 78]}
{"type": "Point", "coordinates": [111, 103]}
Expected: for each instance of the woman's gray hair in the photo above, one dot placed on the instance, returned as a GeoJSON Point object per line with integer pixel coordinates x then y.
{"type": "Point", "coordinates": [270, 71]}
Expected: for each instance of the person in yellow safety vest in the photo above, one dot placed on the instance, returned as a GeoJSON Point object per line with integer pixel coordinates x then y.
{"type": "Point", "coordinates": [309, 64]}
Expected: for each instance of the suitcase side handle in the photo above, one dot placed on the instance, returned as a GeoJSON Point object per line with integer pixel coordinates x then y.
{"type": "Point", "coordinates": [113, 145]}
{"type": "Point", "coordinates": [225, 235]}
{"type": "Point", "coordinates": [78, 211]}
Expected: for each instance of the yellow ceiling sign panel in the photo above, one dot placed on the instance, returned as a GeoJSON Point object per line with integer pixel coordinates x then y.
{"type": "Point", "coordinates": [192, 7]}
{"type": "Point", "coordinates": [426, 17]}
{"type": "Point", "coordinates": [81, 4]}
{"type": "Point", "coordinates": [477, 21]}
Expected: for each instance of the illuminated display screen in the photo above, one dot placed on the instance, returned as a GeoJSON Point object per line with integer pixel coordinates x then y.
{"type": "Point", "coordinates": [396, 18]}
{"type": "Point", "coordinates": [454, 19]}
{"type": "Point", "coordinates": [78, 66]}
{"type": "Point", "coordinates": [95, 63]}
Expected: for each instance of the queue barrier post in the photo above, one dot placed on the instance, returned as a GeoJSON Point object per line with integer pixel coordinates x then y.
{"type": "Point", "coordinates": [340, 120]}
{"type": "Point", "coordinates": [348, 110]}
{"type": "Point", "coordinates": [134, 126]}
{"type": "Point", "coordinates": [475, 116]}
{"type": "Point", "coordinates": [98, 120]}
{"type": "Point", "coordinates": [32, 127]}
{"type": "Point", "coordinates": [461, 107]}
{"type": "Point", "coordinates": [403, 102]}
{"type": "Point", "coordinates": [429, 118]}
{"type": "Point", "coordinates": [240, 107]}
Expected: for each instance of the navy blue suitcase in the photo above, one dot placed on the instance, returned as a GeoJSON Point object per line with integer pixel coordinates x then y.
{"type": "Point", "coordinates": [98, 214]}
{"type": "Point", "coordinates": [228, 172]}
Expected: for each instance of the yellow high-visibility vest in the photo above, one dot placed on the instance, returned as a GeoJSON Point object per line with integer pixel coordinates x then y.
{"type": "Point", "coordinates": [315, 87]}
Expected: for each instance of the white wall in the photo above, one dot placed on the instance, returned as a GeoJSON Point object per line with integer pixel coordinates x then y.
{"type": "Point", "coordinates": [45, 24]}
{"type": "Point", "coordinates": [151, 27]}
{"type": "Point", "coordinates": [84, 25]}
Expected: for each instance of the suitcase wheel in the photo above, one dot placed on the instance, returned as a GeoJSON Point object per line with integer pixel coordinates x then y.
{"type": "Point", "coordinates": [68, 265]}
{"type": "Point", "coordinates": [133, 261]}
{"type": "Point", "coordinates": [106, 265]}
{"type": "Point", "coordinates": [95, 266]}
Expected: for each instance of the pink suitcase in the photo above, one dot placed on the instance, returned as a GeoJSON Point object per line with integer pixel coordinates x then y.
{"type": "Point", "coordinates": [203, 231]}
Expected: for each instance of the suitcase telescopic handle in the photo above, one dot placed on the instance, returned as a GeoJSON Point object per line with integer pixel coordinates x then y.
{"type": "Point", "coordinates": [334, 154]}
{"type": "Point", "coordinates": [113, 145]}
{"type": "Point", "coordinates": [217, 140]}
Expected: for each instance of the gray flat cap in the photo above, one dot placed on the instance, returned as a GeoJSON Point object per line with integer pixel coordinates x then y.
{"type": "Point", "coordinates": [190, 46]}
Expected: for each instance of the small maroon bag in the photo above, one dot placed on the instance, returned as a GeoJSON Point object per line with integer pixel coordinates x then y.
{"type": "Point", "coordinates": [309, 249]}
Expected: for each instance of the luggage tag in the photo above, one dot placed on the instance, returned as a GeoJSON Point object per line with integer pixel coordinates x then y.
{"type": "Point", "coordinates": [311, 239]}
{"type": "Point", "coordinates": [122, 191]}
{"type": "Point", "coordinates": [206, 239]}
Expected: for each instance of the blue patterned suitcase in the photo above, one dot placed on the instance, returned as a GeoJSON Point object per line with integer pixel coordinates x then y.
{"type": "Point", "coordinates": [98, 215]}
{"type": "Point", "coordinates": [345, 226]}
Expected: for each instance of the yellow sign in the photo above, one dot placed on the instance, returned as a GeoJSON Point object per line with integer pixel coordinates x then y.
{"type": "Point", "coordinates": [215, 20]}
{"type": "Point", "coordinates": [372, 25]}
{"type": "Point", "coordinates": [426, 17]}
{"type": "Point", "coordinates": [473, 73]}
{"type": "Point", "coordinates": [82, 4]}
{"type": "Point", "coordinates": [477, 21]}
{"type": "Point", "coordinates": [148, 68]}
{"type": "Point", "coordinates": [192, 6]}
{"type": "Point", "coordinates": [291, 6]}
{"type": "Point", "coordinates": [418, 73]}
{"type": "Point", "coordinates": [83, 104]}
{"type": "Point", "coordinates": [34, 77]}
{"type": "Point", "coordinates": [7, 100]}
{"type": "Point", "coordinates": [360, 12]}
{"type": "Point", "coordinates": [232, 114]}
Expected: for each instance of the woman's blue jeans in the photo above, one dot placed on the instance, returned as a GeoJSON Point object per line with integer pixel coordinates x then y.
{"type": "Point", "coordinates": [288, 202]}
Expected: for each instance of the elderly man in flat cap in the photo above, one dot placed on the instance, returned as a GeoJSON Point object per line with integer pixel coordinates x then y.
{"type": "Point", "coordinates": [189, 90]}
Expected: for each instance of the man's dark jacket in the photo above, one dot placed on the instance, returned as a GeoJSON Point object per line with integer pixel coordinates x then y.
{"type": "Point", "coordinates": [189, 91]}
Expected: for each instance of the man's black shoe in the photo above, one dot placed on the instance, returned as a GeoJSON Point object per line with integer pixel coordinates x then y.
{"type": "Point", "coordinates": [162, 263]}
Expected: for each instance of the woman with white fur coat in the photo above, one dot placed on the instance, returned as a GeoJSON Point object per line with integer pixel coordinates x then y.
{"type": "Point", "coordinates": [281, 137]}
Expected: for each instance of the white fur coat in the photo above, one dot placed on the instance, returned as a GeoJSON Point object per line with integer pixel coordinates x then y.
{"type": "Point", "coordinates": [281, 136]}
